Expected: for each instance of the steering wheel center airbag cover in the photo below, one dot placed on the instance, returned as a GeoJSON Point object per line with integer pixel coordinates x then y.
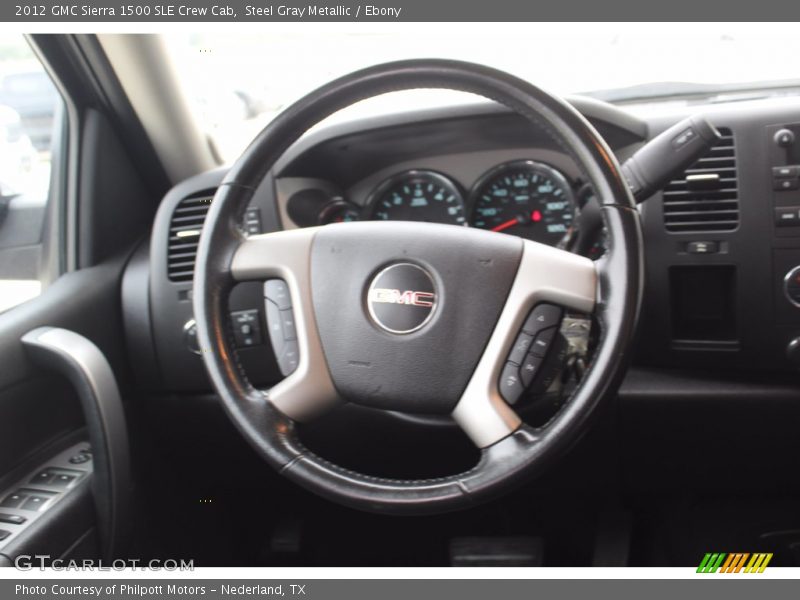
{"type": "Point", "coordinates": [402, 298]}
{"type": "Point", "coordinates": [371, 286]}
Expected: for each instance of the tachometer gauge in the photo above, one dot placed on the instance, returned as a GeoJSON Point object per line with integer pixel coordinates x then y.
{"type": "Point", "coordinates": [418, 196]}
{"type": "Point", "coordinates": [524, 198]}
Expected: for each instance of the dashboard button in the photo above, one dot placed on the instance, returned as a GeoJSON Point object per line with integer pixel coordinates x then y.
{"type": "Point", "coordinates": [702, 247]}
{"type": "Point", "coordinates": [542, 317]}
{"type": "Point", "coordinates": [787, 217]}
{"type": "Point", "coordinates": [784, 185]}
{"type": "Point", "coordinates": [786, 172]}
{"type": "Point", "coordinates": [277, 291]}
{"type": "Point", "coordinates": [511, 387]}
{"type": "Point", "coordinates": [520, 348]}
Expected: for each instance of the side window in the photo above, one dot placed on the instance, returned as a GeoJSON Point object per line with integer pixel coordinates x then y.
{"type": "Point", "coordinates": [31, 113]}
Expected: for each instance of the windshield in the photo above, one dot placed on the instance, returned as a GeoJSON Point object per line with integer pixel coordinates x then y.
{"type": "Point", "coordinates": [237, 83]}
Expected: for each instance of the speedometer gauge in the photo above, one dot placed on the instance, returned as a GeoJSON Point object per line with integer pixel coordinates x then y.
{"type": "Point", "coordinates": [418, 196]}
{"type": "Point", "coordinates": [524, 198]}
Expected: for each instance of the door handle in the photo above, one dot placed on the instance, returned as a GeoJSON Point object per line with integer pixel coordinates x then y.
{"type": "Point", "coordinates": [87, 369]}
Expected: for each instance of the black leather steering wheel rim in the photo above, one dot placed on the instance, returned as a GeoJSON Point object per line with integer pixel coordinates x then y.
{"type": "Point", "coordinates": [516, 457]}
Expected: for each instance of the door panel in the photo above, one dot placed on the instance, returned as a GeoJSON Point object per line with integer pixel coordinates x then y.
{"type": "Point", "coordinates": [40, 415]}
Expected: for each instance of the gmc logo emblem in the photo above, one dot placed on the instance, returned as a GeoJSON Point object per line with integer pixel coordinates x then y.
{"type": "Point", "coordinates": [409, 297]}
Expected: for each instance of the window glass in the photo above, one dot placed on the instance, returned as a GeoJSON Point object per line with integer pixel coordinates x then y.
{"type": "Point", "coordinates": [237, 83]}
{"type": "Point", "coordinates": [30, 110]}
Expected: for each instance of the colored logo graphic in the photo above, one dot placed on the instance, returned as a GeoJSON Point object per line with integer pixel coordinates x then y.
{"type": "Point", "coordinates": [737, 562]}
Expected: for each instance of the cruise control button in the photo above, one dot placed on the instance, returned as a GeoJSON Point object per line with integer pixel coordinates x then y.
{"type": "Point", "coordinates": [287, 324]}
{"type": "Point", "coordinates": [530, 368]}
{"type": "Point", "coordinates": [542, 342]}
{"type": "Point", "coordinates": [277, 291]}
{"type": "Point", "coordinates": [511, 387]}
{"type": "Point", "coordinates": [289, 358]}
{"type": "Point", "coordinates": [274, 319]}
{"type": "Point", "coordinates": [520, 348]}
{"type": "Point", "coordinates": [542, 317]}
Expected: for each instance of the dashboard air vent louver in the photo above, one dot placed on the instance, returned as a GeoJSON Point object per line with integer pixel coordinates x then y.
{"type": "Point", "coordinates": [184, 233]}
{"type": "Point", "coordinates": [706, 197]}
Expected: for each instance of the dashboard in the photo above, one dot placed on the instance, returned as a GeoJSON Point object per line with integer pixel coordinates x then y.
{"type": "Point", "coordinates": [722, 240]}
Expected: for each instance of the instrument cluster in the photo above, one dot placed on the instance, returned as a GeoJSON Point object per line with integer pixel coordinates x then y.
{"type": "Point", "coordinates": [526, 198]}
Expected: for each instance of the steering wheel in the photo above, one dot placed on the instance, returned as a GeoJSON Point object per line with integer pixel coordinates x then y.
{"type": "Point", "coordinates": [415, 317]}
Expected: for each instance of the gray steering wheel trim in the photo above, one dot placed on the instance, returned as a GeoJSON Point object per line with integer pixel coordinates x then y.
{"type": "Point", "coordinates": [513, 459]}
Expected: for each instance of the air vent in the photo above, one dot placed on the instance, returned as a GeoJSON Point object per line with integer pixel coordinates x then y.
{"type": "Point", "coordinates": [184, 233]}
{"type": "Point", "coordinates": [706, 197]}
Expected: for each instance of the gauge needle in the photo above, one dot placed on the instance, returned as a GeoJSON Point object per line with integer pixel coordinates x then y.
{"type": "Point", "coordinates": [506, 224]}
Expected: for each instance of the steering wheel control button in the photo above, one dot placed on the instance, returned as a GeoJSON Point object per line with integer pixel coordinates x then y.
{"type": "Point", "coordinates": [520, 348]}
{"type": "Point", "coordinates": [401, 298]}
{"type": "Point", "coordinates": [529, 368]}
{"type": "Point", "coordinates": [246, 328]}
{"type": "Point", "coordinates": [542, 342]}
{"type": "Point", "coordinates": [14, 500]}
{"type": "Point", "coordinates": [281, 325]}
{"type": "Point", "coordinates": [289, 357]}
{"type": "Point", "coordinates": [542, 316]}
{"type": "Point", "coordinates": [277, 291]}
{"type": "Point", "coordinates": [287, 325]}
{"type": "Point", "coordinates": [511, 387]}
{"type": "Point", "coordinates": [12, 519]}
